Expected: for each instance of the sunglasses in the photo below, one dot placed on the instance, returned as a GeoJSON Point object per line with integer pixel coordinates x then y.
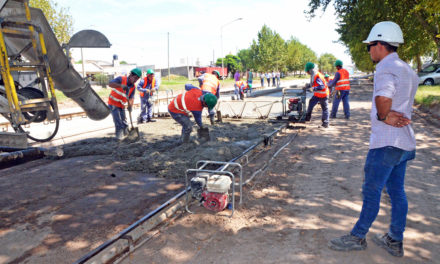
{"type": "Point", "coordinates": [371, 45]}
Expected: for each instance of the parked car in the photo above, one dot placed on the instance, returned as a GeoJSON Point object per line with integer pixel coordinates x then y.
{"type": "Point", "coordinates": [429, 69]}
{"type": "Point", "coordinates": [430, 78]}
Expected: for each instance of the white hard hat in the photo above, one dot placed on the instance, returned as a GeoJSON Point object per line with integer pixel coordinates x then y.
{"type": "Point", "coordinates": [386, 31]}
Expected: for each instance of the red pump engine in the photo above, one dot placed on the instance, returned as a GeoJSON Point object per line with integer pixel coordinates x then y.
{"type": "Point", "coordinates": [215, 201]}
{"type": "Point", "coordinates": [211, 190]}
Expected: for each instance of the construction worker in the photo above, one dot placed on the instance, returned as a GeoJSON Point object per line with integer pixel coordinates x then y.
{"type": "Point", "coordinates": [327, 78]}
{"type": "Point", "coordinates": [320, 93]}
{"type": "Point", "coordinates": [239, 90]}
{"type": "Point", "coordinates": [210, 83]}
{"type": "Point", "coordinates": [200, 76]}
{"type": "Point", "coordinates": [122, 94]}
{"type": "Point", "coordinates": [147, 87]}
{"type": "Point", "coordinates": [191, 101]}
{"type": "Point", "coordinates": [392, 143]}
{"type": "Point", "coordinates": [342, 90]}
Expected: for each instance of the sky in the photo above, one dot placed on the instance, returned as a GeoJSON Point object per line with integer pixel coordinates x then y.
{"type": "Point", "coordinates": [138, 29]}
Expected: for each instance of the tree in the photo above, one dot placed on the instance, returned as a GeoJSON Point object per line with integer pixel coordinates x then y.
{"type": "Point", "coordinates": [418, 19]}
{"type": "Point", "coordinates": [326, 62]}
{"type": "Point", "coordinates": [269, 50]}
{"type": "Point", "coordinates": [59, 19]}
{"type": "Point", "coordinates": [232, 62]}
{"type": "Point", "coordinates": [298, 55]}
{"type": "Point", "coordinates": [247, 58]}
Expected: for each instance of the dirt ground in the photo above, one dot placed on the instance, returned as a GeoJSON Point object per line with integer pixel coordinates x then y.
{"type": "Point", "coordinates": [55, 211]}
{"type": "Point", "coordinates": [311, 194]}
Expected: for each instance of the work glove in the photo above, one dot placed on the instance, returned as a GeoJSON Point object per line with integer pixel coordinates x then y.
{"type": "Point", "coordinates": [124, 87]}
{"type": "Point", "coordinates": [338, 94]}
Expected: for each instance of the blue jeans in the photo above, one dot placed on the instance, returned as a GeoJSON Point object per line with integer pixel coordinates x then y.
{"type": "Point", "coordinates": [345, 103]}
{"type": "Point", "coordinates": [185, 122]}
{"type": "Point", "coordinates": [237, 91]}
{"type": "Point", "coordinates": [384, 167]}
{"type": "Point", "coordinates": [146, 109]}
{"type": "Point", "coordinates": [119, 118]}
{"type": "Point", "coordinates": [324, 106]}
{"type": "Point", "coordinates": [262, 82]}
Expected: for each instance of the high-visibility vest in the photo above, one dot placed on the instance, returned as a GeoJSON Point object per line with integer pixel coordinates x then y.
{"type": "Point", "coordinates": [240, 84]}
{"type": "Point", "coordinates": [343, 83]}
{"type": "Point", "coordinates": [118, 97]}
{"type": "Point", "coordinates": [210, 83]}
{"type": "Point", "coordinates": [322, 93]}
{"type": "Point", "coordinates": [153, 84]}
{"type": "Point", "coordinates": [186, 102]}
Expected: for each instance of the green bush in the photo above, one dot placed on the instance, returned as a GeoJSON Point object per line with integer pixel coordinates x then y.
{"type": "Point", "coordinates": [102, 79]}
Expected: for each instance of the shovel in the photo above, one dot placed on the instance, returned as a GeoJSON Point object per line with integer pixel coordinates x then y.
{"type": "Point", "coordinates": [133, 133]}
{"type": "Point", "coordinates": [203, 133]}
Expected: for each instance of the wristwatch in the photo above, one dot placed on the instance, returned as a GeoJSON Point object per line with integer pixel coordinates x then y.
{"type": "Point", "coordinates": [380, 119]}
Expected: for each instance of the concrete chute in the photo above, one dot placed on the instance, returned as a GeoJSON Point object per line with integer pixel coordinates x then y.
{"type": "Point", "coordinates": [28, 43]}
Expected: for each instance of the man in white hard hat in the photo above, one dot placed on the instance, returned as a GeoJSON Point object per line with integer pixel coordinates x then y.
{"type": "Point", "coordinates": [392, 142]}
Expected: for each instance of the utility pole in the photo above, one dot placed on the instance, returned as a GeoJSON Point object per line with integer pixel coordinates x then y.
{"type": "Point", "coordinates": [187, 66]}
{"type": "Point", "coordinates": [169, 56]}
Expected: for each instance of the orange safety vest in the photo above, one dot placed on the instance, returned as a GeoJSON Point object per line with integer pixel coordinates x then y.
{"type": "Point", "coordinates": [153, 84]}
{"type": "Point", "coordinates": [343, 83]}
{"type": "Point", "coordinates": [186, 102]}
{"type": "Point", "coordinates": [210, 83]}
{"type": "Point", "coordinates": [322, 93]}
{"type": "Point", "coordinates": [118, 96]}
{"type": "Point", "coordinates": [240, 84]}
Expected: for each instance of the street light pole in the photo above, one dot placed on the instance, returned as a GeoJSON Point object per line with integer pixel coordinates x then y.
{"type": "Point", "coordinates": [221, 36]}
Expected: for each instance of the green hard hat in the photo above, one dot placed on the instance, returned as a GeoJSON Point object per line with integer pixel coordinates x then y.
{"type": "Point", "coordinates": [309, 66]}
{"type": "Point", "coordinates": [326, 75]}
{"type": "Point", "coordinates": [338, 63]}
{"type": "Point", "coordinates": [150, 71]}
{"type": "Point", "coordinates": [137, 71]}
{"type": "Point", "coordinates": [210, 100]}
{"type": "Point", "coordinates": [217, 72]}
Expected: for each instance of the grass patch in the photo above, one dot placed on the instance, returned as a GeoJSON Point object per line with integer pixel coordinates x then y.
{"type": "Point", "coordinates": [428, 96]}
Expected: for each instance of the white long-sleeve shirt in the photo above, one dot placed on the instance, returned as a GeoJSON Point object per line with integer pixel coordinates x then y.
{"type": "Point", "coordinates": [394, 79]}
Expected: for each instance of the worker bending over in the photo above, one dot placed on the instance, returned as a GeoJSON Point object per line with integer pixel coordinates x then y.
{"type": "Point", "coordinates": [320, 93]}
{"type": "Point", "coordinates": [147, 87]}
{"type": "Point", "coordinates": [342, 86]}
{"type": "Point", "coordinates": [209, 82]}
{"type": "Point", "coordinates": [122, 94]}
{"type": "Point", "coordinates": [192, 100]}
{"type": "Point", "coordinates": [240, 87]}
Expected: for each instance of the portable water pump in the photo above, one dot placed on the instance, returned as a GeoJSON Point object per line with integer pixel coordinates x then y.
{"type": "Point", "coordinates": [295, 104]}
{"type": "Point", "coordinates": [211, 190]}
